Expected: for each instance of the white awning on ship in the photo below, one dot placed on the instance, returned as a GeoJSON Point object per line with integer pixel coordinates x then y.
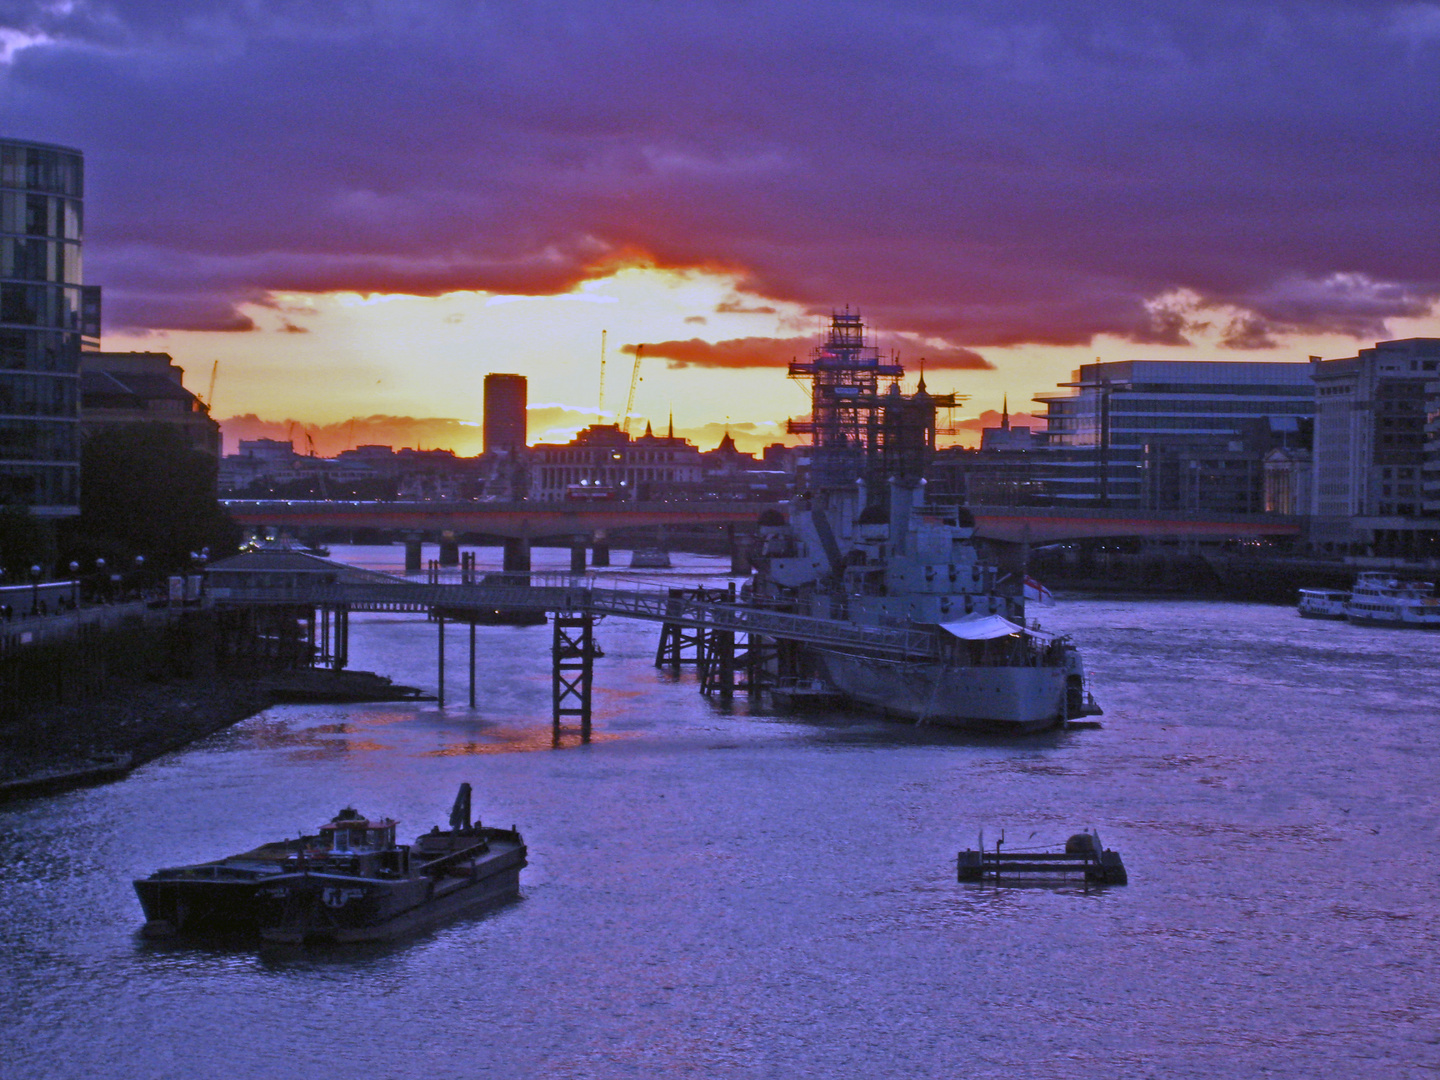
{"type": "Point", "coordinates": [984, 627]}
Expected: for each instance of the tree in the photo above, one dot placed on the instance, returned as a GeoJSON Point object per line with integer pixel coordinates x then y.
{"type": "Point", "coordinates": [144, 490]}
{"type": "Point", "coordinates": [22, 542]}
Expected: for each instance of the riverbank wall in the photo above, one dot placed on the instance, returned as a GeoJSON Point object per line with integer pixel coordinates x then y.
{"type": "Point", "coordinates": [88, 707]}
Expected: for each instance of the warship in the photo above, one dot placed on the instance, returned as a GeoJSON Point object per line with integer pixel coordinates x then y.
{"type": "Point", "coordinates": [864, 545]}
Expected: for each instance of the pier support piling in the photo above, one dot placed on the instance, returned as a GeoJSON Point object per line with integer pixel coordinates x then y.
{"type": "Point", "coordinates": [573, 653]}
{"type": "Point", "coordinates": [440, 676]}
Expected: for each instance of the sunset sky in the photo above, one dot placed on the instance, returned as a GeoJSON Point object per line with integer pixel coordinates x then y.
{"type": "Point", "coordinates": [360, 208]}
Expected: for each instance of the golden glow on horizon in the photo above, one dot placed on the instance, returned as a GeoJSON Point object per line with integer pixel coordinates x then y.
{"type": "Point", "coordinates": [322, 359]}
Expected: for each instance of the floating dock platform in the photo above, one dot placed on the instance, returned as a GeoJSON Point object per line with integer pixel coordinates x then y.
{"type": "Point", "coordinates": [1082, 855]}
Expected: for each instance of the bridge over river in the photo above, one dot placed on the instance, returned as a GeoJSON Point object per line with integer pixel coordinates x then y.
{"type": "Point", "coordinates": [520, 523]}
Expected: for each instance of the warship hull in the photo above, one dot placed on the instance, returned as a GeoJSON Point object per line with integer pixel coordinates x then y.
{"type": "Point", "coordinates": [1017, 699]}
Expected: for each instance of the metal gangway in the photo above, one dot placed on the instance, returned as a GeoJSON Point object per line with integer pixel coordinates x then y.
{"type": "Point", "coordinates": [589, 596]}
{"type": "Point", "coordinates": [715, 620]}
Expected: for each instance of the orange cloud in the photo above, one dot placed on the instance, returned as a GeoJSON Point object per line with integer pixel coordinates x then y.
{"type": "Point", "coordinates": [764, 352]}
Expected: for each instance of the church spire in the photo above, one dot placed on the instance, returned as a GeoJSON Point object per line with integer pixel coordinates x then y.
{"type": "Point", "coordinates": [671, 433]}
{"type": "Point", "coordinates": [1005, 413]}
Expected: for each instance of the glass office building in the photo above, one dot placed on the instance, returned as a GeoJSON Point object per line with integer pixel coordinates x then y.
{"type": "Point", "coordinates": [42, 319]}
{"type": "Point", "coordinates": [1114, 418]}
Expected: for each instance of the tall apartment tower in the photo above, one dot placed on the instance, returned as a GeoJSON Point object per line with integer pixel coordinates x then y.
{"type": "Point", "coordinates": [1376, 457]}
{"type": "Point", "coordinates": [42, 319]}
{"type": "Point", "coordinates": [504, 412]}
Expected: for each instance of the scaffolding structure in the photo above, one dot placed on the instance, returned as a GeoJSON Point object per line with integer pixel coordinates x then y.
{"type": "Point", "coordinates": [857, 429]}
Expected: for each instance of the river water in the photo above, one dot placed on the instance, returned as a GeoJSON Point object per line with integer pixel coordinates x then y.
{"type": "Point", "coordinates": [733, 892]}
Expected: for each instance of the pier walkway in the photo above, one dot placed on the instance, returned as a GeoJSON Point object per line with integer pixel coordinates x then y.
{"type": "Point", "coordinates": [582, 595]}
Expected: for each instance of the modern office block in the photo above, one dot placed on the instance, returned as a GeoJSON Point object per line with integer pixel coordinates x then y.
{"type": "Point", "coordinates": [41, 324]}
{"type": "Point", "coordinates": [1377, 449]}
{"type": "Point", "coordinates": [1117, 418]}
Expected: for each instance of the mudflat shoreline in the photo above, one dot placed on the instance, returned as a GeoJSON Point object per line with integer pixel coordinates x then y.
{"type": "Point", "coordinates": [102, 739]}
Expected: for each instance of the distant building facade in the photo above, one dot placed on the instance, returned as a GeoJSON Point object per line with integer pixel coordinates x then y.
{"type": "Point", "coordinates": [505, 404]}
{"type": "Point", "coordinates": [41, 326]}
{"type": "Point", "coordinates": [142, 388]}
{"type": "Point", "coordinates": [1376, 478]}
{"type": "Point", "coordinates": [604, 463]}
{"type": "Point", "coordinates": [1176, 415]}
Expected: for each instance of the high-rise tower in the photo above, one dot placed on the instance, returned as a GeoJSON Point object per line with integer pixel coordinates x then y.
{"type": "Point", "coordinates": [41, 324]}
{"type": "Point", "coordinates": [504, 412]}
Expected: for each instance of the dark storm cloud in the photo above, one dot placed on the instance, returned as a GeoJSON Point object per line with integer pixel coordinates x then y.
{"type": "Point", "coordinates": [983, 174]}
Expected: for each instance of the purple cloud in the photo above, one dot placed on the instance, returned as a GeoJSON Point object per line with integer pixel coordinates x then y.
{"type": "Point", "coordinates": [975, 174]}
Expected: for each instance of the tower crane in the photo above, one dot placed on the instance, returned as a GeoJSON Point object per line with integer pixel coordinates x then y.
{"type": "Point", "coordinates": [210, 394]}
{"type": "Point", "coordinates": [634, 378]}
{"type": "Point", "coordinates": [600, 401]}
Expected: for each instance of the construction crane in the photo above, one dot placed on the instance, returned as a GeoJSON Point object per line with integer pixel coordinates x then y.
{"type": "Point", "coordinates": [600, 402]}
{"type": "Point", "coordinates": [209, 400]}
{"type": "Point", "coordinates": [634, 378]}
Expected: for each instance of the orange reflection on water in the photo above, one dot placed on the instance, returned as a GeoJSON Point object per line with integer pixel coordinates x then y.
{"type": "Point", "coordinates": [518, 740]}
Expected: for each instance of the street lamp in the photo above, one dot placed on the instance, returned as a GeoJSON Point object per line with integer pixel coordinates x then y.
{"type": "Point", "coordinates": [74, 585]}
{"type": "Point", "coordinates": [100, 593]}
{"type": "Point", "coordinates": [35, 589]}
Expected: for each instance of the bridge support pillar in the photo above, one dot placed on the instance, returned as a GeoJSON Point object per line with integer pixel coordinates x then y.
{"type": "Point", "coordinates": [573, 653]}
{"type": "Point", "coordinates": [739, 555]}
{"type": "Point", "coordinates": [449, 550]}
{"type": "Point", "coordinates": [413, 562]}
{"type": "Point", "coordinates": [577, 556]}
{"type": "Point", "coordinates": [600, 552]}
{"type": "Point", "coordinates": [517, 555]}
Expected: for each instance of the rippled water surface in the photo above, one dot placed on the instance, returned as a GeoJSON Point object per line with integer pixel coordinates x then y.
{"type": "Point", "coordinates": [721, 892]}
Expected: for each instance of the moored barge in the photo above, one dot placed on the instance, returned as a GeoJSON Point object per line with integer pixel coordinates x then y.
{"type": "Point", "coordinates": [349, 882]}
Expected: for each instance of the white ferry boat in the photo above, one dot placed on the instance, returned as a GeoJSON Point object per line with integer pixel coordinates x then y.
{"type": "Point", "coordinates": [1381, 600]}
{"type": "Point", "coordinates": [1323, 603]}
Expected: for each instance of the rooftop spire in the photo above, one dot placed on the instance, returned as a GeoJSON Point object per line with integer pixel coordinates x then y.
{"type": "Point", "coordinates": [1005, 412]}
